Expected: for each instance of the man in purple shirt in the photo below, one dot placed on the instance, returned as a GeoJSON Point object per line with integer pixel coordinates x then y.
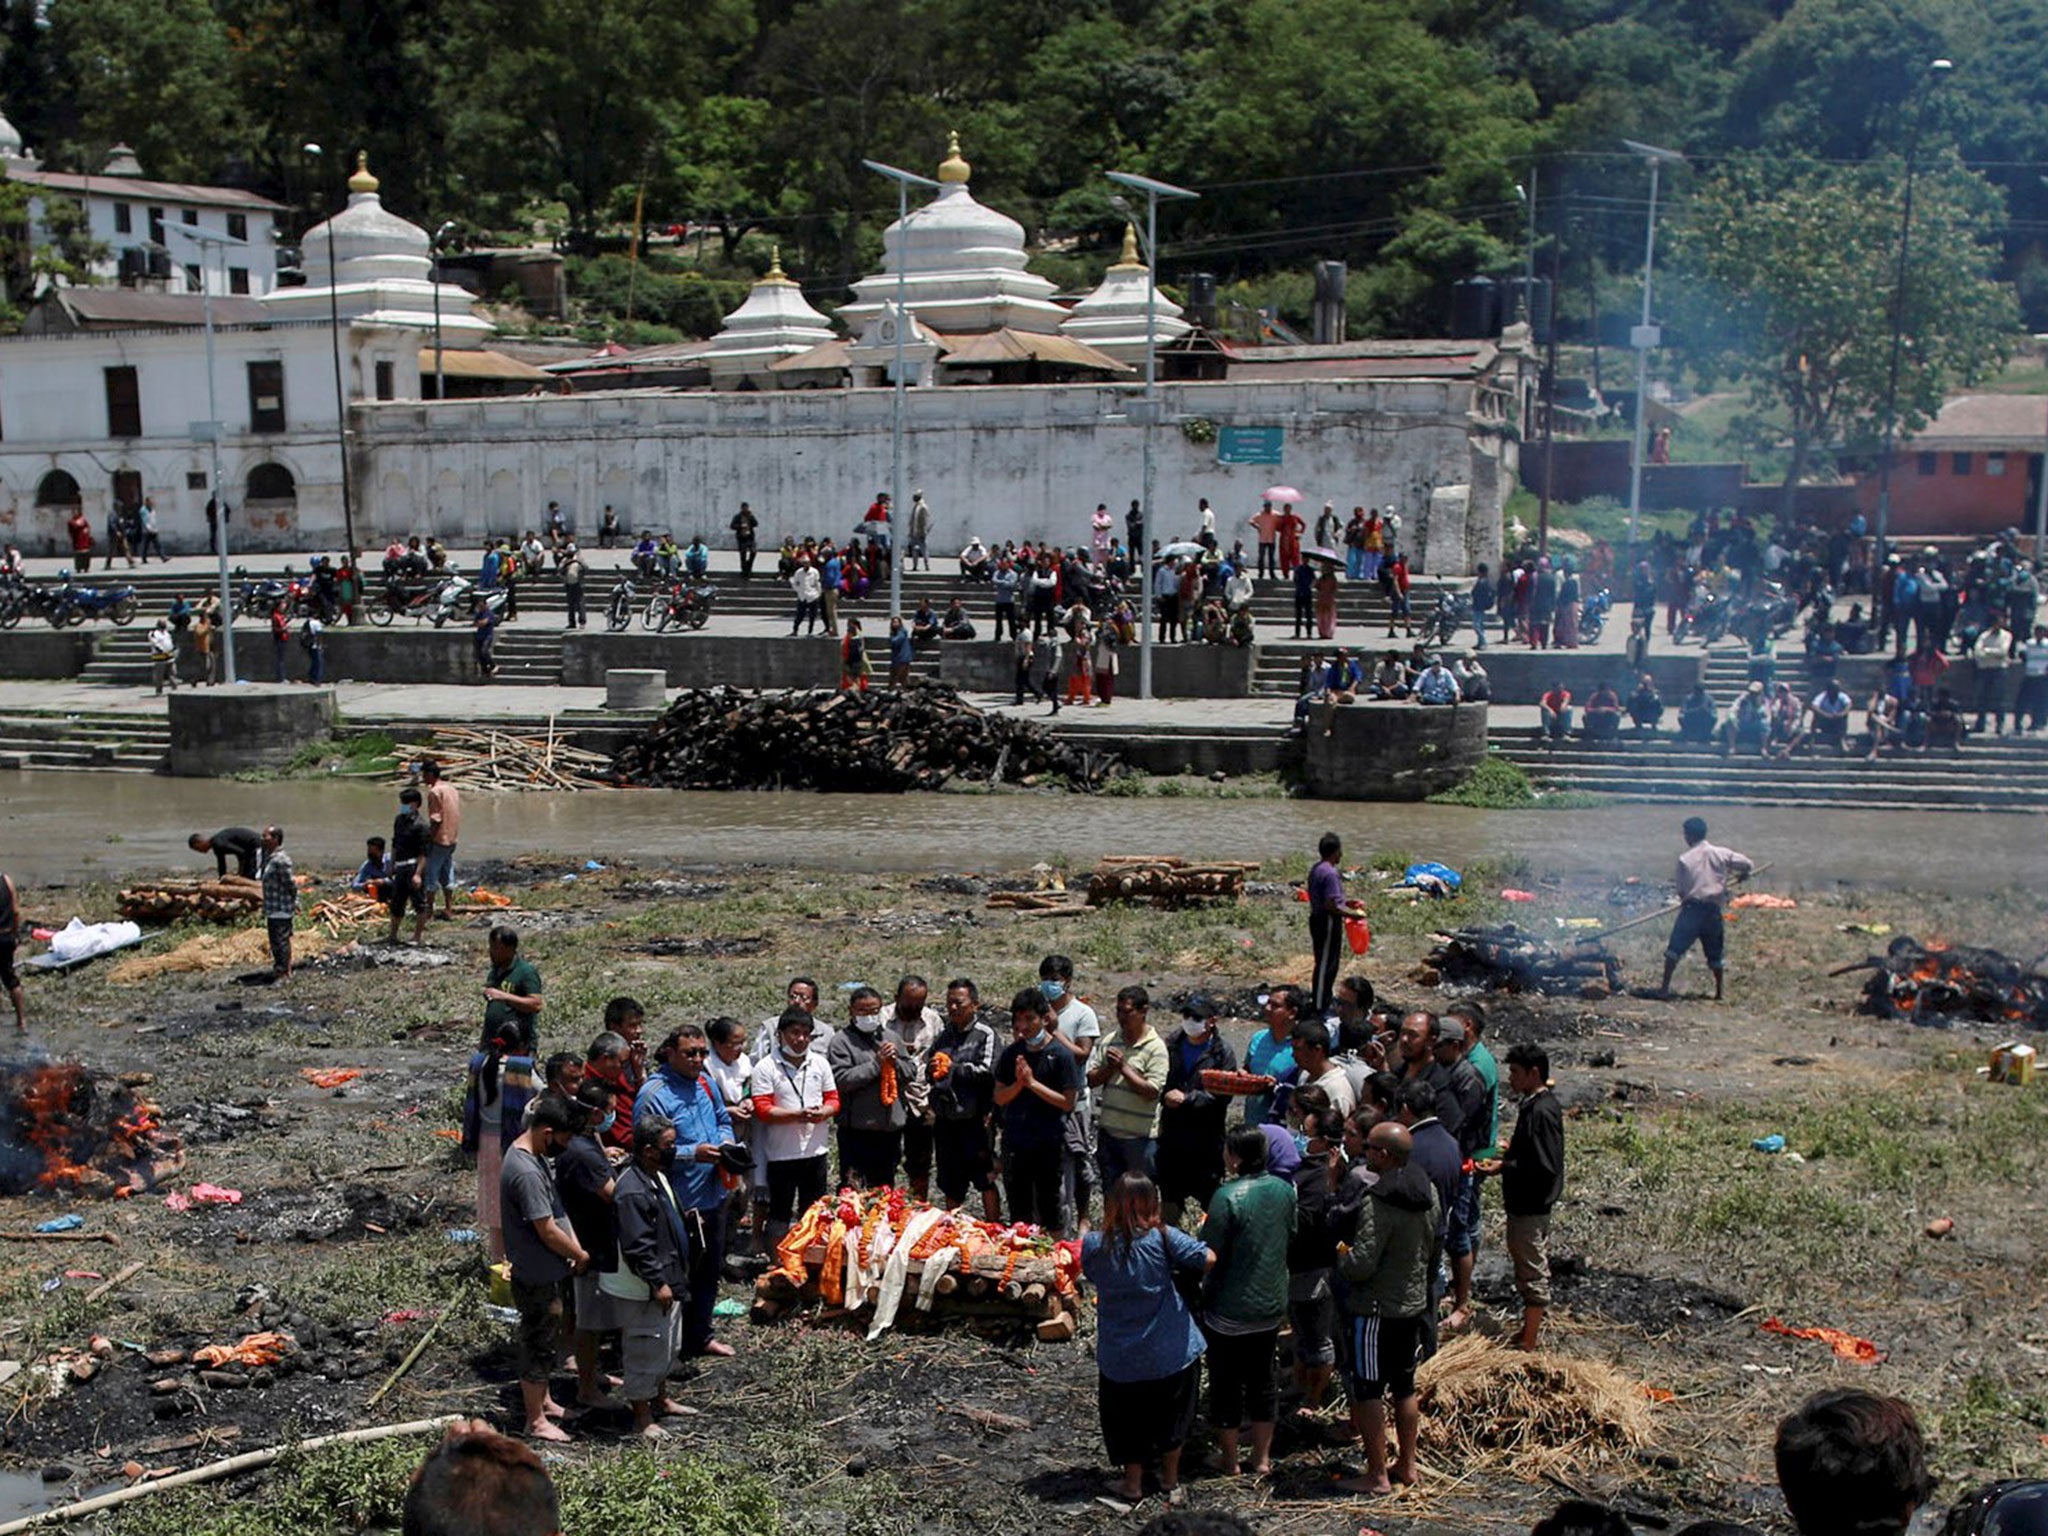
{"type": "Point", "coordinates": [1328, 906]}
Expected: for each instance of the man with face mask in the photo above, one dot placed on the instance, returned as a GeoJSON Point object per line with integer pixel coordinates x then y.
{"type": "Point", "coordinates": [1190, 1117]}
{"type": "Point", "coordinates": [583, 1174]}
{"type": "Point", "coordinates": [409, 836]}
{"type": "Point", "coordinates": [1037, 1083]}
{"type": "Point", "coordinates": [543, 1251]}
{"type": "Point", "coordinates": [1076, 1028]}
{"type": "Point", "coordinates": [648, 1283]}
{"type": "Point", "coordinates": [802, 995]}
{"type": "Point", "coordinates": [868, 1062]}
{"type": "Point", "coordinates": [919, 1025]}
{"type": "Point", "coordinates": [682, 1094]}
{"type": "Point", "coordinates": [959, 1071]}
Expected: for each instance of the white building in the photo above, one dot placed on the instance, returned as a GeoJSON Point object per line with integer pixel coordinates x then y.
{"type": "Point", "coordinates": [141, 223]}
{"type": "Point", "coordinates": [106, 406]}
{"type": "Point", "coordinates": [1114, 318]}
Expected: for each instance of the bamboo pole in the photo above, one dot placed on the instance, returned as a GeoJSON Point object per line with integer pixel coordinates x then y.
{"type": "Point", "coordinates": [249, 1461]}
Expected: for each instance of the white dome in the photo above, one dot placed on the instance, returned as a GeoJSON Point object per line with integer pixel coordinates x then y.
{"type": "Point", "coordinates": [775, 321]}
{"type": "Point", "coordinates": [1112, 319]}
{"type": "Point", "coordinates": [10, 140]}
{"type": "Point", "coordinates": [962, 266]}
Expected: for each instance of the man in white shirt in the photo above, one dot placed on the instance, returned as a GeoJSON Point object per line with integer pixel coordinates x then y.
{"type": "Point", "coordinates": [2033, 700]}
{"type": "Point", "coordinates": [163, 655]}
{"type": "Point", "coordinates": [1704, 872]}
{"type": "Point", "coordinates": [1991, 655]}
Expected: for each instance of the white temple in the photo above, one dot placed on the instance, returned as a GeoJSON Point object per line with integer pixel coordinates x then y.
{"type": "Point", "coordinates": [381, 273]}
{"type": "Point", "coordinates": [962, 266]}
{"type": "Point", "coordinates": [1112, 319]}
{"type": "Point", "coordinates": [774, 322]}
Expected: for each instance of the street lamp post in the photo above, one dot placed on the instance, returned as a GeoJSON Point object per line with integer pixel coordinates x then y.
{"type": "Point", "coordinates": [440, 235]}
{"type": "Point", "coordinates": [348, 504]}
{"type": "Point", "coordinates": [1936, 70]}
{"type": "Point", "coordinates": [203, 238]}
{"type": "Point", "coordinates": [1141, 557]}
{"type": "Point", "coordinates": [1645, 336]}
{"type": "Point", "coordinates": [904, 180]}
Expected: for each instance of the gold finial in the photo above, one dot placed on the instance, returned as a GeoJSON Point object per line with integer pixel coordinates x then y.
{"type": "Point", "coordinates": [1130, 261]}
{"type": "Point", "coordinates": [775, 273]}
{"type": "Point", "coordinates": [362, 181]}
{"type": "Point", "coordinates": [953, 170]}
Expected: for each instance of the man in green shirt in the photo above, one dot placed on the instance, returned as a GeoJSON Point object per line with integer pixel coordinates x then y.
{"type": "Point", "coordinates": [1130, 1071]}
{"type": "Point", "coordinates": [511, 988]}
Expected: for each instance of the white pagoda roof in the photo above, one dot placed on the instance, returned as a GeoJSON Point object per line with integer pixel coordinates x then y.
{"type": "Point", "coordinates": [381, 272]}
{"type": "Point", "coordinates": [1113, 318]}
{"type": "Point", "coordinates": [774, 322]}
{"type": "Point", "coordinates": [962, 265]}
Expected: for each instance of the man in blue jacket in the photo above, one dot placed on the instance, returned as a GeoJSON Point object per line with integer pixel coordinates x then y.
{"type": "Point", "coordinates": [681, 1093]}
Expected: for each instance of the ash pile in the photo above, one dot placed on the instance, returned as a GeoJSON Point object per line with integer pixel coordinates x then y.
{"type": "Point", "coordinates": [1939, 985]}
{"type": "Point", "coordinates": [65, 1131]}
{"type": "Point", "coordinates": [1512, 959]}
{"type": "Point", "coordinates": [884, 741]}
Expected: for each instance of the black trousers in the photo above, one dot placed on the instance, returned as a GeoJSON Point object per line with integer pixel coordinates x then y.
{"type": "Point", "coordinates": [869, 1157]}
{"type": "Point", "coordinates": [1326, 938]}
{"type": "Point", "coordinates": [1031, 1182]}
{"type": "Point", "coordinates": [572, 598]}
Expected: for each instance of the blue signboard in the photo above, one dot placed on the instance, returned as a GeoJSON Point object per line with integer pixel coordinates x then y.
{"type": "Point", "coordinates": [1249, 445]}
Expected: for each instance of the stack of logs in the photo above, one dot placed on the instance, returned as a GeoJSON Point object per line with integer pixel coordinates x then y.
{"type": "Point", "coordinates": [1030, 1294]}
{"type": "Point", "coordinates": [226, 900]}
{"type": "Point", "coordinates": [890, 740]}
{"type": "Point", "coordinates": [1166, 881]}
{"type": "Point", "coordinates": [493, 759]}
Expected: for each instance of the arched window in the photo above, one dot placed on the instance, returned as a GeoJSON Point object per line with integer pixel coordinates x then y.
{"type": "Point", "coordinates": [57, 489]}
{"type": "Point", "coordinates": [271, 482]}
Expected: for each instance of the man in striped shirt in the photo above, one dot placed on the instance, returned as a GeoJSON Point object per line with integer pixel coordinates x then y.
{"type": "Point", "coordinates": [280, 900]}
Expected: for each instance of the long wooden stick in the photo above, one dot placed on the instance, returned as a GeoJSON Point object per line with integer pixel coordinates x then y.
{"type": "Point", "coordinates": [128, 1272]}
{"type": "Point", "coordinates": [249, 1461]}
{"type": "Point", "coordinates": [60, 1237]}
{"type": "Point", "coordinates": [1649, 917]}
{"type": "Point", "coordinates": [407, 1363]}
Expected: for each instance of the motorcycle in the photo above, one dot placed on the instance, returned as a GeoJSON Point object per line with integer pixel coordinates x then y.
{"type": "Point", "coordinates": [1593, 616]}
{"type": "Point", "coordinates": [618, 613]}
{"type": "Point", "coordinates": [401, 599]}
{"type": "Point", "coordinates": [19, 597]}
{"type": "Point", "coordinates": [1453, 613]}
{"type": "Point", "coordinates": [74, 605]}
{"type": "Point", "coordinates": [458, 598]}
{"type": "Point", "coordinates": [685, 605]}
{"type": "Point", "coordinates": [258, 598]}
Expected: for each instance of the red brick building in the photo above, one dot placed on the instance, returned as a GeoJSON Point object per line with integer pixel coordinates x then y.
{"type": "Point", "coordinates": [1974, 469]}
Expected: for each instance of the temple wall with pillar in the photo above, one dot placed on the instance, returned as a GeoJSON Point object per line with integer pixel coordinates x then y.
{"type": "Point", "coordinates": [998, 462]}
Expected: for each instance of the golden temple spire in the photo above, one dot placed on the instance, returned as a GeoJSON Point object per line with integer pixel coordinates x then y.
{"type": "Point", "coordinates": [953, 170]}
{"type": "Point", "coordinates": [1130, 261]}
{"type": "Point", "coordinates": [362, 181]}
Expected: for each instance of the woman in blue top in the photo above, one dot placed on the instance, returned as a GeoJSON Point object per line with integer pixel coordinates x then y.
{"type": "Point", "coordinates": [1147, 1348]}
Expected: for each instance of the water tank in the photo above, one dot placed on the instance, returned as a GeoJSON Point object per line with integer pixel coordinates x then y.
{"type": "Point", "coordinates": [133, 266]}
{"type": "Point", "coordinates": [1202, 300]}
{"type": "Point", "coordinates": [1475, 309]}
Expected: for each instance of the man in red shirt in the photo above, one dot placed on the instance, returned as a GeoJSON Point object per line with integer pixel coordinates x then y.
{"type": "Point", "coordinates": [81, 539]}
{"type": "Point", "coordinates": [1555, 710]}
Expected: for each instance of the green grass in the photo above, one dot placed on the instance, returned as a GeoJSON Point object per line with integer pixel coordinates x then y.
{"type": "Point", "coordinates": [1500, 785]}
{"type": "Point", "coordinates": [370, 753]}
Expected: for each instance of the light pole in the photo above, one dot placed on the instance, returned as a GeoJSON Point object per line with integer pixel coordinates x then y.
{"type": "Point", "coordinates": [203, 238]}
{"type": "Point", "coordinates": [2041, 495]}
{"type": "Point", "coordinates": [1526, 195]}
{"type": "Point", "coordinates": [348, 503]}
{"type": "Point", "coordinates": [434, 249]}
{"type": "Point", "coordinates": [904, 180]}
{"type": "Point", "coordinates": [1936, 70]}
{"type": "Point", "coordinates": [1149, 417]}
{"type": "Point", "coordinates": [1644, 337]}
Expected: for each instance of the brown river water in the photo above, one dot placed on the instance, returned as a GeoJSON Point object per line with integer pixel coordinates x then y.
{"type": "Point", "coordinates": [59, 827]}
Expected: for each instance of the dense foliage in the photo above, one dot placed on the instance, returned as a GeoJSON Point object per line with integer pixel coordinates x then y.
{"type": "Point", "coordinates": [1390, 134]}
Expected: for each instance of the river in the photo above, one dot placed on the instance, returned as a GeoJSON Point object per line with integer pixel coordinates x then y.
{"type": "Point", "coordinates": [59, 827]}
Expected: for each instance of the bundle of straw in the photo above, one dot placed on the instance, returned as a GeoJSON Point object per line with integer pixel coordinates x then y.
{"type": "Point", "coordinates": [206, 952]}
{"type": "Point", "coordinates": [1528, 1414]}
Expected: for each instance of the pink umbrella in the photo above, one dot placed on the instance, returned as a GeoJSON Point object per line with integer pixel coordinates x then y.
{"type": "Point", "coordinates": [1282, 493]}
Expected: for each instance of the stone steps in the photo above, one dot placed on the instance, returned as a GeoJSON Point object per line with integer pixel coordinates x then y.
{"type": "Point", "coordinates": [135, 743]}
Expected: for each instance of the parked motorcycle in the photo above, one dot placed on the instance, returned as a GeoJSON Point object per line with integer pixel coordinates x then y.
{"type": "Point", "coordinates": [74, 605]}
{"type": "Point", "coordinates": [400, 599]}
{"type": "Point", "coordinates": [685, 605]}
{"type": "Point", "coordinates": [1453, 613]}
{"type": "Point", "coordinates": [618, 613]}
{"type": "Point", "coordinates": [458, 598]}
{"type": "Point", "coordinates": [1593, 616]}
{"type": "Point", "coordinates": [257, 598]}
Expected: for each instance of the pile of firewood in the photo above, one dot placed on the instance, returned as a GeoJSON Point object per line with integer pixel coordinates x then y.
{"type": "Point", "coordinates": [1166, 881]}
{"type": "Point", "coordinates": [488, 759]}
{"type": "Point", "coordinates": [1512, 959]}
{"type": "Point", "coordinates": [887, 740]}
{"type": "Point", "coordinates": [226, 900]}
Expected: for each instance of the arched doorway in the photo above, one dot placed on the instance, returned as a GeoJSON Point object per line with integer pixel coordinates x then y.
{"type": "Point", "coordinates": [271, 482]}
{"type": "Point", "coordinates": [57, 489]}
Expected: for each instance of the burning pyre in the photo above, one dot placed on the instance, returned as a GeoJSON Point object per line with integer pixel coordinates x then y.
{"type": "Point", "coordinates": [1934, 984]}
{"type": "Point", "coordinates": [62, 1130]}
{"type": "Point", "coordinates": [1513, 959]}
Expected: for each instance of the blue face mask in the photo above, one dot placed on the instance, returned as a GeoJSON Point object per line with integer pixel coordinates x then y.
{"type": "Point", "coordinates": [607, 1122]}
{"type": "Point", "coordinates": [1053, 990]}
{"type": "Point", "coordinates": [1301, 1143]}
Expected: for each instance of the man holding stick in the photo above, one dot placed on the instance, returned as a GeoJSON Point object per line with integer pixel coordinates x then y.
{"type": "Point", "coordinates": [1704, 872]}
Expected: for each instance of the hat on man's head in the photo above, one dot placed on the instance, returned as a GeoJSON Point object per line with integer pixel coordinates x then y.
{"type": "Point", "coordinates": [1450, 1029]}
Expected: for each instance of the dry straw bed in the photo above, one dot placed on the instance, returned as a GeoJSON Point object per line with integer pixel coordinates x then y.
{"type": "Point", "coordinates": [1528, 1414]}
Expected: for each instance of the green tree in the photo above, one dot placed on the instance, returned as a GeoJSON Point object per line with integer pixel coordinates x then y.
{"type": "Point", "coordinates": [566, 98]}
{"type": "Point", "coordinates": [153, 74]}
{"type": "Point", "coordinates": [1789, 283]}
{"type": "Point", "coordinates": [44, 238]}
